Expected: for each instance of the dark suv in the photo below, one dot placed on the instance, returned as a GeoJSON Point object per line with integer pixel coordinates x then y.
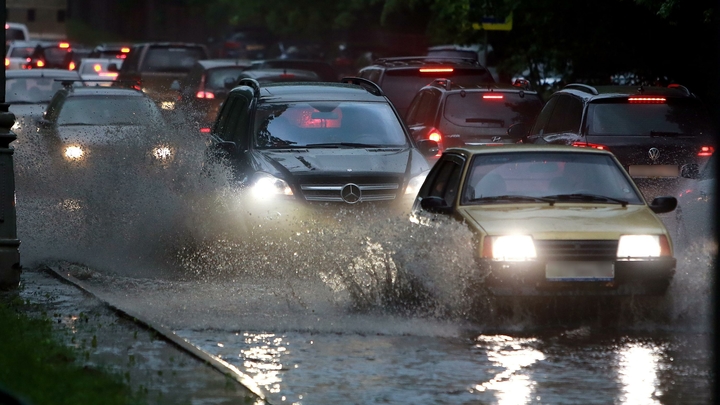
{"type": "Point", "coordinates": [455, 115]}
{"type": "Point", "coordinates": [655, 132]}
{"type": "Point", "coordinates": [296, 148]}
{"type": "Point", "coordinates": [402, 77]}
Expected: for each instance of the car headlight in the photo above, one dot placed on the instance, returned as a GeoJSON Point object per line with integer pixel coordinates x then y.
{"type": "Point", "coordinates": [415, 183]}
{"type": "Point", "coordinates": [266, 186]}
{"type": "Point", "coordinates": [642, 246]}
{"type": "Point", "coordinates": [162, 152]}
{"type": "Point", "coordinates": [510, 248]}
{"type": "Point", "coordinates": [74, 152]}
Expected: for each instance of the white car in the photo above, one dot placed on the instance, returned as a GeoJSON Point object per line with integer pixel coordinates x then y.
{"type": "Point", "coordinates": [99, 72]}
{"type": "Point", "coordinates": [18, 54]}
{"type": "Point", "coordinates": [696, 202]}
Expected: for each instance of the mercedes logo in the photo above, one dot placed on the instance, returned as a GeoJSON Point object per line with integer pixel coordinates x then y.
{"type": "Point", "coordinates": [350, 193]}
{"type": "Point", "coordinates": [496, 138]}
{"type": "Point", "coordinates": [654, 154]}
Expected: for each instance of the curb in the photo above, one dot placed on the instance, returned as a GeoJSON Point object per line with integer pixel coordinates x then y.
{"type": "Point", "coordinates": [222, 366]}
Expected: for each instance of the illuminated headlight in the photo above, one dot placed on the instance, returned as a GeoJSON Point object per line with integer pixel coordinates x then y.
{"type": "Point", "coordinates": [167, 105]}
{"type": "Point", "coordinates": [642, 246]}
{"type": "Point", "coordinates": [267, 186]}
{"type": "Point", "coordinates": [511, 248]}
{"type": "Point", "coordinates": [415, 183]}
{"type": "Point", "coordinates": [162, 152]}
{"type": "Point", "coordinates": [74, 152]}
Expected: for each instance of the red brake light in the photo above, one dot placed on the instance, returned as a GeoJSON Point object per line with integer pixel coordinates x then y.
{"type": "Point", "coordinates": [589, 145]}
{"type": "Point", "coordinates": [706, 151]}
{"type": "Point", "coordinates": [97, 67]}
{"type": "Point", "coordinates": [204, 94]}
{"type": "Point", "coordinates": [64, 45]}
{"type": "Point", "coordinates": [7, 62]}
{"type": "Point", "coordinates": [124, 49]}
{"type": "Point", "coordinates": [71, 66]}
{"type": "Point", "coordinates": [7, 26]}
{"type": "Point", "coordinates": [204, 130]}
{"type": "Point", "coordinates": [40, 63]}
{"type": "Point", "coordinates": [646, 100]}
{"type": "Point", "coordinates": [493, 97]}
{"type": "Point", "coordinates": [287, 75]}
{"type": "Point", "coordinates": [435, 135]}
{"type": "Point", "coordinates": [437, 70]}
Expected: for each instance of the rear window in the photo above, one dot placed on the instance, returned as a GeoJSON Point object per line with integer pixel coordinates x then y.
{"type": "Point", "coordinates": [55, 55]}
{"type": "Point", "coordinates": [473, 110]}
{"type": "Point", "coordinates": [13, 34]}
{"type": "Point", "coordinates": [401, 85]}
{"type": "Point", "coordinates": [22, 52]}
{"type": "Point", "coordinates": [216, 77]}
{"type": "Point", "coordinates": [686, 117]}
{"type": "Point", "coordinates": [172, 59]}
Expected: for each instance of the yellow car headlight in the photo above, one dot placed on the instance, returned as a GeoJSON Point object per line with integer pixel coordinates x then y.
{"type": "Point", "coordinates": [415, 183]}
{"type": "Point", "coordinates": [511, 248]}
{"type": "Point", "coordinates": [642, 246]}
{"type": "Point", "coordinates": [268, 186]}
{"type": "Point", "coordinates": [74, 152]}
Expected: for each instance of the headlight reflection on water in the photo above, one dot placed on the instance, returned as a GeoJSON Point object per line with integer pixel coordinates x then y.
{"type": "Point", "coordinates": [639, 374]}
{"type": "Point", "coordinates": [262, 360]}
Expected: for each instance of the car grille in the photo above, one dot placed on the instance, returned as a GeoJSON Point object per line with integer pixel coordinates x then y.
{"type": "Point", "coordinates": [369, 188]}
{"type": "Point", "coordinates": [580, 250]}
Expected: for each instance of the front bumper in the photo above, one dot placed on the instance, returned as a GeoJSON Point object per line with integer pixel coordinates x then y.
{"type": "Point", "coordinates": [646, 277]}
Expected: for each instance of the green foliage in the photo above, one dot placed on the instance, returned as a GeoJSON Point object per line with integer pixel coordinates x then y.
{"type": "Point", "coordinates": [41, 370]}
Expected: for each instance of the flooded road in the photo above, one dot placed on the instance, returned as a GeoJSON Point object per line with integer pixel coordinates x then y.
{"type": "Point", "coordinates": [374, 312]}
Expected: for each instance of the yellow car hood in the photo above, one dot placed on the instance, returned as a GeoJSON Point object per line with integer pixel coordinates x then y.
{"type": "Point", "coordinates": [563, 220]}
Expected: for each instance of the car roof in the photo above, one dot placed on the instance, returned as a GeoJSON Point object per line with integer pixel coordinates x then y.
{"type": "Point", "coordinates": [84, 61]}
{"type": "Point", "coordinates": [320, 91]}
{"type": "Point", "coordinates": [265, 73]}
{"type": "Point", "coordinates": [588, 93]}
{"type": "Point", "coordinates": [59, 73]}
{"type": "Point", "coordinates": [523, 148]}
{"type": "Point", "coordinates": [214, 63]}
{"type": "Point", "coordinates": [104, 91]}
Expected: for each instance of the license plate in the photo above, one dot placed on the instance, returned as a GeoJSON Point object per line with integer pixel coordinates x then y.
{"type": "Point", "coordinates": [580, 271]}
{"type": "Point", "coordinates": [654, 171]}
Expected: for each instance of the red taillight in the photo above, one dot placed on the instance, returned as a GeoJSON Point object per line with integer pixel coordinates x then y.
{"type": "Point", "coordinates": [437, 70]}
{"type": "Point", "coordinates": [706, 151]}
{"type": "Point", "coordinates": [204, 94]}
{"type": "Point", "coordinates": [646, 100]}
{"type": "Point", "coordinates": [435, 135]}
{"type": "Point", "coordinates": [7, 62]}
{"type": "Point", "coordinates": [287, 75]}
{"type": "Point", "coordinates": [589, 145]}
{"type": "Point", "coordinates": [64, 45]}
{"type": "Point", "coordinates": [71, 66]}
{"type": "Point", "coordinates": [40, 63]}
{"type": "Point", "coordinates": [124, 49]}
{"type": "Point", "coordinates": [97, 67]}
{"type": "Point", "coordinates": [664, 246]}
{"type": "Point", "coordinates": [204, 130]}
{"type": "Point", "coordinates": [136, 87]}
{"type": "Point", "coordinates": [493, 96]}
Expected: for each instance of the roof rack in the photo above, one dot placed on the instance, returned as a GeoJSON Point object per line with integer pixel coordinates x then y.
{"type": "Point", "coordinates": [582, 87]}
{"type": "Point", "coordinates": [368, 85]}
{"type": "Point", "coordinates": [250, 83]}
{"type": "Point", "coordinates": [446, 83]}
{"type": "Point", "coordinates": [680, 87]}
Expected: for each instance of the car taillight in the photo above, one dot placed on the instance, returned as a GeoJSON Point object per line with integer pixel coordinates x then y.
{"type": "Point", "coordinates": [204, 94]}
{"type": "Point", "coordinates": [706, 151]}
{"type": "Point", "coordinates": [435, 135]}
{"type": "Point", "coordinates": [204, 130]}
{"type": "Point", "coordinates": [125, 49]}
{"type": "Point", "coordinates": [71, 66]}
{"type": "Point", "coordinates": [589, 145]}
{"type": "Point", "coordinates": [7, 62]}
{"type": "Point", "coordinates": [64, 45]}
{"type": "Point", "coordinates": [40, 63]}
{"type": "Point", "coordinates": [646, 100]}
{"type": "Point", "coordinates": [493, 96]}
{"type": "Point", "coordinates": [436, 70]}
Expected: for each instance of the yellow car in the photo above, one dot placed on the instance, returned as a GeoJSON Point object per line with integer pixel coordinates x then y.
{"type": "Point", "coordinates": [552, 220]}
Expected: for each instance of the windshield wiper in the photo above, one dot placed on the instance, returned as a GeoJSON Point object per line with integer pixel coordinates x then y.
{"type": "Point", "coordinates": [586, 197]}
{"type": "Point", "coordinates": [342, 145]}
{"type": "Point", "coordinates": [514, 198]}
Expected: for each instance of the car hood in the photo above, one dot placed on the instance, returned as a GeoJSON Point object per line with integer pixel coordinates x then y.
{"type": "Point", "coordinates": [564, 221]}
{"type": "Point", "coordinates": [340, 160]}
{"type": "Point", "coordinates": [101, 134]}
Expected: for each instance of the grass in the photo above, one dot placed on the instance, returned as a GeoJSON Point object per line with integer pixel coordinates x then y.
{"type": "Point", "coordinates": [39, 369]}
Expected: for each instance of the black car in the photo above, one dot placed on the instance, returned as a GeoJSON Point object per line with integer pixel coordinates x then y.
{"type": "Point", "coordinates": [655, 132]}
{"type": "Point", "coordinates": [50, 55]}
{"type": "Point", "coordinates": [402, 77]}
{"type": "Point", "coordinates": [205, 88]}
{"type": "Point", "coordinates": [110, 51]}
{"type": "Point", "coordinates": [295, 147]}
{"type": "Point", "coordinates": [455, 116]}
{"type": "Point", "coordinates": [325, 71]}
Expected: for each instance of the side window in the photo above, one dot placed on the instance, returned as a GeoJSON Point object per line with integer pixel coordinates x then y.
{"type": "Point", "coordinates": [237, 123]}
{"type": "Point", "coordinates": [544, 117]}
{"type": "Point", "coordinates": [374, 75]}
{"type": "Point", "coordinates": [413, 109]}
{"type": "Point", "coordinates": [221, 123]}
{"type": "Point", "coordinates": [426, 109]}
{"type": "Point", "coordinates": [444, 180]}
{"type": "Point", "coordinates": [566, 116]}
{"type": "Point", "coordinates": [132, 61]}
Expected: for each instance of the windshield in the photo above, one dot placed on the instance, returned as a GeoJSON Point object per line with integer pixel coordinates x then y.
{"type": "Point", "coordinates": [334, 123]}
{"type": "Point", "coordinates": [546, 174]}
{"type": "Point", "coordinates": [474, 110]}
{"type": "Point", "coordinates": [108, 110]}
{"type": "Point", "coordinates": [99, 67]}
{"type": "Point", "coordinates": [164, 59]}
{"type": "Point", "coordinates": [55, 54]}
{"type": "Point", "coordinates": [31, 90]}
{"type": "Point", "coordinates": [685, 117]}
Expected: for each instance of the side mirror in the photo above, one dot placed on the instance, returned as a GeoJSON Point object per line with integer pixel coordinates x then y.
{"type": "Point", "coordinates": [43, 123]}
{"type": "Point", "coordinates": [229, 83]}
{"type": "Point", "coordinates": [427, 147]}
{"type": "Point", "coordinates": [226, 146]}
{"type": "Point", "coordinates": [690, 171]}
{"type": "Point", "coordinates": [175, 86]}
{"type": "Point", "coordinates": [112, 67]}
{"type": "Point", "coordinates": [661, 205]}
{"type": "Point", "coordinates": [519, 131]}
{"type": "Point", "coordinates": [435, 205]}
